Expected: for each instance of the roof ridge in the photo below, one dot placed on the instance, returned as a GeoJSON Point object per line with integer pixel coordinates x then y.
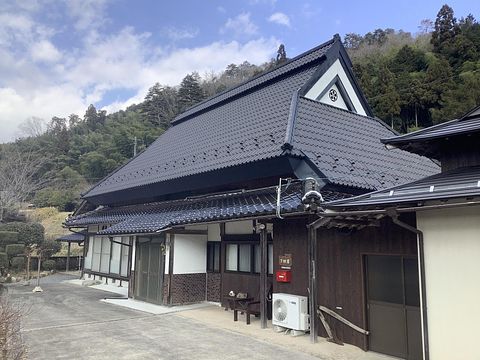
{"type": "Point", "coordinates": [288, 142]}
{"type": "Point", "coordinates": [191, 111]}
{"type": "Point", "coordinates": [420, 131]}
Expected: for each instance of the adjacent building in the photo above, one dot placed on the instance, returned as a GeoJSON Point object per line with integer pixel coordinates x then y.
{"type": "Point", "coordinates": [443, 212]}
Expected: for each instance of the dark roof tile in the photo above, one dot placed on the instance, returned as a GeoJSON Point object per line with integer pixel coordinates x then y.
{"type": "Point", "coordinates": [153, 217]}
{"type": "Point", "coordinates": [346, 148]}
{"type": "Point", "coordinates": [458, 183]}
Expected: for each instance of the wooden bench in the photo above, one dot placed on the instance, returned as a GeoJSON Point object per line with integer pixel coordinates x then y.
{"type": "Point", "coordinates": [248, 311]}
{"type": "Point", "coordinates": [242, 305]}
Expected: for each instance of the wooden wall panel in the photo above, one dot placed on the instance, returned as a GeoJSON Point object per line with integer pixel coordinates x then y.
{"type": "Point", "coordinates": [290, 237]}
{"type": "Point", "coordinates": [340, 271]}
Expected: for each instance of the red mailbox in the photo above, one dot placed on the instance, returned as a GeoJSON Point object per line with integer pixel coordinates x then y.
{"type": "Point", "coordinates": [284, 276]}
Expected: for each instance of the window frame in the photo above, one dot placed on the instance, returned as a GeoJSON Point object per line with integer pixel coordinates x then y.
{"type": "Point", "coordinates": [247, 239]}
{"type": "Point", "coordinates": [213, 245]}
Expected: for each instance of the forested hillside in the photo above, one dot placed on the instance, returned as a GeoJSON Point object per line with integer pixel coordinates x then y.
{"type": "Point", "coordinates": [410, 80]}
{"type": "Point", "coordinates": [418, 80]}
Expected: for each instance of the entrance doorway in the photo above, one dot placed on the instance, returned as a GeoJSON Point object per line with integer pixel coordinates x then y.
{"type": "Point", "coordinates": [150, 265]}
{"type": "Point", "coordinates": [393, 303]}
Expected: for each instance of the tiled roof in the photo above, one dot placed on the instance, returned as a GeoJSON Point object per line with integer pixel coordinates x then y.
{"type": "Point", "coordinates": [346, 148]}
{"type": "Point", "coordinates": [249, 124]}
{"type": "Point", "coordinates": [246, 129]}
{"type": "Point", "coordinates": [467, 124]}
{"type": "Point", "coordinates": [153, 217]}
{"type": "Point", "coordinates": [458, 183]}
{"type": "Point", "coordinates": [302, 60]}
{"type": "Point", "coordinates": [73, 237]}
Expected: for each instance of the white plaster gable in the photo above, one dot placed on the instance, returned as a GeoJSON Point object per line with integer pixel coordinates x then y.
{"type": "Point", "coordinates": [341, 85]}
{"type": "Point", "coordinates": [333, 96]}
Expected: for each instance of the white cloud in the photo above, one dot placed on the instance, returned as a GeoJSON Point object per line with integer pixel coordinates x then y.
{"type": "Point", "coordinates": [39, 80]}
{"type": "Point", "coordinates": [240, 25]}
{"type": "Point", "coordinates": [87, 14]}
{"type": "Point", "coordinates": [45, 51]}
{"type": "Point", "coordinates": [172, 67]}
{"type": "Point", "coordinates": [176, 34]}
{"type": "Point", "coordinates": [280, 18]}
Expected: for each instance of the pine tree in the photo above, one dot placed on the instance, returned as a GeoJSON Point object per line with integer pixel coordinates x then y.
{"type": "Point", "coordinates": [445, 30]}
{"type": "Point", "coordinates": [387, 104]}
{"type": "Point", "coordinates": [190, 91]}
{"type": "Point", "coordinates": [160, 105]}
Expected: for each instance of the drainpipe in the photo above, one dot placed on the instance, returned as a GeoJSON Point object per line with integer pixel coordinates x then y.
{"type": "Point", "coordinates": [312, 274]}
{"type": "Point", "coordinates": [421, 266]}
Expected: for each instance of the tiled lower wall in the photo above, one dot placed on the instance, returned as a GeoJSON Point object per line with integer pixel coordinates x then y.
{"type": "Point", "coordinates": [188, 288]}
{"type": "Point", "coordinates": [191, 288]}
{"type": "Point", "coordinates": [214, 281]}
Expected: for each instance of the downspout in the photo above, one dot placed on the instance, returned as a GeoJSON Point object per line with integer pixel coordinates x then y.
{"type": "Point", "coordinates": [421, 265]}
{"type": "Point", "coordinates": [312, 274]}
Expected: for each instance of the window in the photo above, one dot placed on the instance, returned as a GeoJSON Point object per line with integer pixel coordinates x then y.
{"type": "Point", "coordinates": [105, 256]}
{"type": "Point", "coordinates": [258, 259]}
{"type": "Point", "coordinates": [97, 250]}
{"type": "Point", "coordinates": [243, 257]}
{"type": "Point", "coordinates": [115, 259]}
{"type": "Point", "coordinates": [213, 256]}
{"type": "Point", "coordinates": [102, 260]}
{"type": "Point", "coordinates": [231, 257]}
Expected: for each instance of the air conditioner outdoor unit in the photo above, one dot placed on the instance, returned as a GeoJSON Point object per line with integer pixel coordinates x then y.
{"type": "Point", "coordinates": [290, 311]}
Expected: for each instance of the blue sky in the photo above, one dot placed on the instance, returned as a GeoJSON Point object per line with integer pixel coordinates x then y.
{"type": "Point", "coordinates": [58, 56]}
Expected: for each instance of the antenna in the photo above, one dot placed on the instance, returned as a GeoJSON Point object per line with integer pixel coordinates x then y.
{"type": "Point", "coordinates": [134, 146]}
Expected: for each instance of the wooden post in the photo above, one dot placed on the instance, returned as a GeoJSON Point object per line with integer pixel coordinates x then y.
{"type": "Point", "coordinates": [312, 298]}
{"type": "Point", "coordinates": [86, 244]}
{"type": "Point", "coordinates": [68, 256]}
{"type": "Point", "coordinates": [170, 268]}
{"type": "Point", "coordinates": [263, 275]}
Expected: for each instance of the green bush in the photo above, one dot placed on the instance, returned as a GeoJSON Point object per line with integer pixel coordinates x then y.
{"type": "Point", "coordinates": [3, 260]}
{"type": "Point", "coordinates": [49, 265]}
{"type": "Point", "coordinates": [2, 249]}
{"type": "Point", "coordinates": [14, 249]}
{"type": "Point", "coordinates": [8, 237]}
{"type": "Point", "coordinates": [17, 263]}
{"type": "Point", "coordinates": [28, 233]}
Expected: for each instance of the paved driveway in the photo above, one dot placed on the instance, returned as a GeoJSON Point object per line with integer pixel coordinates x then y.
{"type": "Point", "coordinates": [69, 322]}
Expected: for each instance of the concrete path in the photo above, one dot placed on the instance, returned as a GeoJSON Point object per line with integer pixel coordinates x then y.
{"type": "Point", "coordinates": [70, 322]}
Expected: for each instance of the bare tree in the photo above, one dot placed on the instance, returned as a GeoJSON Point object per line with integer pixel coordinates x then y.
{"type": "Point", "coordinates": [18, 177]}
{"type": "Point", "coordinates": [32, 127]}
{"type": "Point", "coordinates": [12, 345]}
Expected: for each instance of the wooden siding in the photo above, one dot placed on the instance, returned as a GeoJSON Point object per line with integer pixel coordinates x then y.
{"type": "Point", "coordinates": [466, 153]}
{"type": "Point", "coordinates": [340, 271]}
{"type": "Point", "coordinates": [290, 237]}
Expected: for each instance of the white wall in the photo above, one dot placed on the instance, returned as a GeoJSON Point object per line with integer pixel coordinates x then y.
{"type": "Point", "coordinates": [88, 258]}
{"type": "Point", "coordinates": [336, 69]}
{"type": "Point", "coordinates": [133, 249]}
{"type": "Point", "coordinates": [214, 232]}
{"type": "Point", "coordinates": [452, 272]}
{"type": "Point", "coordinates": [239, 227]}
{"type": "Point", "coordinates": [189, 254]}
